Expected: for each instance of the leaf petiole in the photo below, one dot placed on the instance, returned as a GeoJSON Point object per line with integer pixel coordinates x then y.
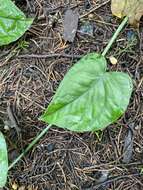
{"type": "Point", "coordinates": [109, 45]}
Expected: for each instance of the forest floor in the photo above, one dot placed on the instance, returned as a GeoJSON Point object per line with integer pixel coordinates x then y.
{"type": "Point", "coordinates": [30, 72]}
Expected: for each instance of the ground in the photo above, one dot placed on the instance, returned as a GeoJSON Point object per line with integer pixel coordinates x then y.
{"type": "Point", "coordinates": [64, 160]}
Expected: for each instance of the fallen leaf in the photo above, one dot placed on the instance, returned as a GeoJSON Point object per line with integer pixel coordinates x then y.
{"type": "Point", "coordinates": [130, 8]}
{"type": "Point", "coordinates": [70, 25]}
{"type": "Point", "coordinates": [113, 60]}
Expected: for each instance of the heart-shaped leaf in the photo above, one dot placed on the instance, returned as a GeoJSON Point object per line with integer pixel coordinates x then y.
{"type": "Point", "coordinates": [131, 8]}
{"type": "Point", "coordinates": [89, 98]}
{"type": "Point", "coordinates": [13, 22]}
{"type": "Point", "coordinates": [3, 161]}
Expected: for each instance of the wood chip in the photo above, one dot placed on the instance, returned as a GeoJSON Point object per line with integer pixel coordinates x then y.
{"type": "Point", "coordinates": [113, 60]}
{"type": "Point", "coordinates": [11, 121]}
{"type": "Point", "coordinates": [70, 25]}
{"type": "Point", "coordinates": [128, 146]}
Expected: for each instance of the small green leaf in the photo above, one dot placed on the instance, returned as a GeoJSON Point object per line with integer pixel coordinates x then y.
{"type": "Point", "coordinates": [13, 22]}
{"type": "Point", "coordinates": [3, 161]}
{"type": "Point", "coordinates": [89, 98]}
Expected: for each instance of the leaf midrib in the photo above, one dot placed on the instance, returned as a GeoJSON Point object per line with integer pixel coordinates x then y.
{"type": "Point", "coordinates": [91, 86]}
{"type": "Point", "coordinates": [14, 18]}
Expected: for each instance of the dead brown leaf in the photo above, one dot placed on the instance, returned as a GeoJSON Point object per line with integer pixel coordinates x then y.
{"type": "Point", "coordinates": [131, 8]}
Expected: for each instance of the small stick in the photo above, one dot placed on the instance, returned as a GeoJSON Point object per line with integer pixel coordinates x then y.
{"type": "Point", "coordinates": [44, 56]}
{"type": "Point", "coordinates": [95, 8]}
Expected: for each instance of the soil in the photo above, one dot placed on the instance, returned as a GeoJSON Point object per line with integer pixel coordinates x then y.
{"type": "Point", "coordinates": [64, 160]}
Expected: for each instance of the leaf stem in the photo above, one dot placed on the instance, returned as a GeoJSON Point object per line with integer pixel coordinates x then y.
{"type": "Point", "coordinates": [121, 26]}
{"type": "Point", "coordinates": [29, 146]}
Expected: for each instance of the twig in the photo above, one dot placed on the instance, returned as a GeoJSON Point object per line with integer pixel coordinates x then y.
{"type": "Point", "coordinates": [93, 9]}
{"type": "Point", "coordinates": [43, 56]}
{"type": "Point", "coordinates": [112, 179]}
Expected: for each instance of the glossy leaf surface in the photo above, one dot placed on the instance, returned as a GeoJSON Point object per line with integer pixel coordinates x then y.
{"type": "Point", "coordinates": [89, 98]}
{"type": "Point", "coordinates": [3, 161]}
{"type": "Point", "coordinates": [13, 22]}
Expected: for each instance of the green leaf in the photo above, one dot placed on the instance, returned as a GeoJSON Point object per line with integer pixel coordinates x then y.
{"type": "Point", "coordinates": [3, 161]}
{"type": "Point", "coordinates": [89, 98]}
{"type": "Point", "coordinates": [13, 22]}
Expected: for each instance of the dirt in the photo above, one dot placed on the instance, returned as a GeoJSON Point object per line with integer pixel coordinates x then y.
{"type": "Point", "coordinates": [63, 160]}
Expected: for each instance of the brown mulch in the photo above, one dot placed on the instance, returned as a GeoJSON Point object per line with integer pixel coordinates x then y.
{"type": "Point", "coordinates": [64, 160]}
